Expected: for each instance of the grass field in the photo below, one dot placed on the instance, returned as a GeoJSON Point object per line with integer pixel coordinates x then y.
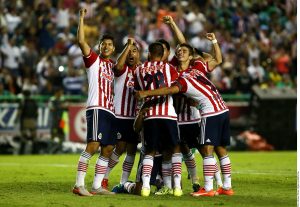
{"type": "Point", "coordinates": [259, 179]}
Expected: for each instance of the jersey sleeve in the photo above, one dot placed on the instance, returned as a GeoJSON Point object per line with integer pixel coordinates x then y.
{"type": "Point", "coordinates": [182, 85]}
{"type": "Point", "coordinates": [90, 59]}
{"type": "Point", "coordinates": [118, 73]}
{"type": "Point", "coordinates": [203, 67]}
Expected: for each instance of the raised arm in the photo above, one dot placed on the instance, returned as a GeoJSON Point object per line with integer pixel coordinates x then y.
{"type": "Point", "coordinates": [217, 57]}
{"type": "Point", "coordinates": [157, 92]}
{"type": "Point", "coordinates": [122, 58]}
{"type": "Point", "coordinates": [85, 48]}
{"type": "Point", "coordinates": [178, 34]}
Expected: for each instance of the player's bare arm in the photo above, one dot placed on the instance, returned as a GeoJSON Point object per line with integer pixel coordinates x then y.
{"type": "Point", "coordinates": [122, 58]}
{"type": "Point", "coordinates": [217, 58]}
{"type": "Point", "coordinates": [157, 92]}
{"type": "Point", "coordinates": [178, 34]}
{"type": "Point", "coordinates": [138, 122]}
{"type": "Point", "coordinates": [85, 48]}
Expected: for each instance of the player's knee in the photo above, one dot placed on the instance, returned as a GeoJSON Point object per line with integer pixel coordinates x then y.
{"type": "Point", "coordinates": [107, 150]}
{"type": "Point", "coordinates": [220, 151]}
{"type": "Point", "coordinates": [207, 150]}
{"type": "Point", "coordinates": [92, 147]}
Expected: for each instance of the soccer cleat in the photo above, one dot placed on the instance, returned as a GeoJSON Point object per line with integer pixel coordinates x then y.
{"type": "Point", "coordinates": [118, 189]}
{"type": "Point", "coordinates": [145, 192]}
{"type": "Point", "coordinates": [101, 191]}
{"type": "Point", "coordinates": [104, 183]}
{"type": "Point", "coordinates": [222, 191]}
{"type": "Point", "coordinates": [196, 186]}
{"type": "Point", "coordinates": [164, 191]}
{"type": "Point", "coordinates": [81, 191]}
{"type": "Point", "coordinates": [203, 192]}
{"type": "Point", "coordinates": [178, 192]}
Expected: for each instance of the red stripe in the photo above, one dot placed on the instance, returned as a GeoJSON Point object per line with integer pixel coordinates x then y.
{"type": "Point", "coordinates": [130, 96]}
{"type": "Point", "coordinates": [99, 87]}
{"type": "Point", "coordinates": [124, 95]}
{"type": "Point", "coordinates": [203, 92]}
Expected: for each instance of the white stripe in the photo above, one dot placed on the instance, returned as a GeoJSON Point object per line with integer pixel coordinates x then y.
{"type": "Point", "coordinates": [208, 92]}
{"type": "Point", "coordinates": [203, 123]}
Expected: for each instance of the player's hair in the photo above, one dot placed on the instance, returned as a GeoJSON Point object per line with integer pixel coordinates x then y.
{"type": "Point", "coordinates": [198, 52]}
{"type": "Point", "coordinates": [164, 42]}
{"type": "Point", "coordinates": [190, 48]}
{"type": "Point", "coordinates": [156, 49]}
{"type": "Point", "coordinates": [107, 37]}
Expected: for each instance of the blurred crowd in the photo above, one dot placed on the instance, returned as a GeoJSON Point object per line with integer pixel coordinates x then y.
{"type": "Point", "coordinates": [39, 51]}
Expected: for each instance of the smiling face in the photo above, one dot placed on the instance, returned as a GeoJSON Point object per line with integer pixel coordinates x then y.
{"type": "Point", "coordinates": [183, 54]}
{"type": "Point", "coordinates": [106, 48]}
{"type": "Point", "coordinates": [133, 56]}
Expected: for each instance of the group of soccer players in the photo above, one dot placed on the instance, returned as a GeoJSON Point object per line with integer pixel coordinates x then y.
{"type": "Point", "coordinates": [169, 106]}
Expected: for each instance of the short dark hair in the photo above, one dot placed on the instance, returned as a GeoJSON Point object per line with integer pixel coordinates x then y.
{"type": "Point", "coordinates": [190, 48]}
{"type": "Point", "coordinates": [164, 42]}
{"type": "Point", "coordinates": [198, 52]}
{"type": "Point", "coordinates": [156, 49]}
{"type": "Point", "coordinates": [107, 37]}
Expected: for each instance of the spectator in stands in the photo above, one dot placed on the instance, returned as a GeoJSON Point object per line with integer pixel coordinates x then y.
{"type": "Point", "coordinates": [256, 71]}
{"type": "Point", "coordinates": [73, 82]}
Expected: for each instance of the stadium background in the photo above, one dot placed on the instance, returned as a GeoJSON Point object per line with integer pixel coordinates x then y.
{"type": "Point", "coordinates": [257, 77]}
{"type": "Point", "coordinates": [39, 53]}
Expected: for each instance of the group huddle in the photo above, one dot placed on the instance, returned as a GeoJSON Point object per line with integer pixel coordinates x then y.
{"type": "Point", "coordinates": [169, 106]}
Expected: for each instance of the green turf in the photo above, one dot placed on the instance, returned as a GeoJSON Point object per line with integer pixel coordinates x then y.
{"type": "Point", "coordinates": [259, 179]}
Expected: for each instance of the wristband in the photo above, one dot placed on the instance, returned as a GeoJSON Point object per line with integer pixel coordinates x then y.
{"type": "Point", "coordinates": [214, 41]}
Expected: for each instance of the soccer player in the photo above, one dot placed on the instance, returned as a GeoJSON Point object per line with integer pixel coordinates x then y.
{"type": "Point", "coordinates": [189, 114]}
{"type": "Point", "coordinates": [125, 106]}
{"type": "Point", "coordinates": [136, 187]}
{"type": "Point", "coordinates": [188, 117]}
{"type": "Point", "coordinates": [214, 114]}
{"type": "Point", "coordinates": [100, 110]}
{"type": "Point", "coordinates": [160, 125]}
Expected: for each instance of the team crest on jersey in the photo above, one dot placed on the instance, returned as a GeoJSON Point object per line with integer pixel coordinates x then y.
{"type": "Point", "coordinates": [100, 136]}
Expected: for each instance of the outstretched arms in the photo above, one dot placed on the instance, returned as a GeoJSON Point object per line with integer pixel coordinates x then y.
{"type": "Point", "coordinates": [85, 48]}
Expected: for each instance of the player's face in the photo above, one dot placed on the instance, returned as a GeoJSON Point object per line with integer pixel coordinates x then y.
{"type": "Point", "coordinates": [133, 56]}
{"type": "Point", "coordinates": [183, 54]}
{"type": "Point", "coordinates": [166, 53]}
{"type": "Point", "coordinates": [106, 48]}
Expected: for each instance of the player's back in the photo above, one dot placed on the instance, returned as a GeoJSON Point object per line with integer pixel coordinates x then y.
{"type": "Point", "coordinates": [152, 75]}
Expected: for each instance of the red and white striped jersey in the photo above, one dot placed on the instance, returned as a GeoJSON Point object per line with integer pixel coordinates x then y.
{"type": "Point", "coordinates": [194, 84]}
{"type": "Point", "coordinates": [153, 75]}
{"type": "Point", "coordinates": [125, 102]}
{"type": "Point", "coordinates": [101, 82]}
{"type": "Point", "coordinates": [186, 114]}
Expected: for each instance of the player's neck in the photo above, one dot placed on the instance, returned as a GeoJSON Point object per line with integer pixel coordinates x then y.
{"type": "Point", "coordinates": [183, 66]}
{"type": "Point", "coordinates": [105, 57]}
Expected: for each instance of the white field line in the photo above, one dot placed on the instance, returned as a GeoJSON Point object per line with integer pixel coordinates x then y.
{"type": "Point", "coordinates": [246, 172]}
